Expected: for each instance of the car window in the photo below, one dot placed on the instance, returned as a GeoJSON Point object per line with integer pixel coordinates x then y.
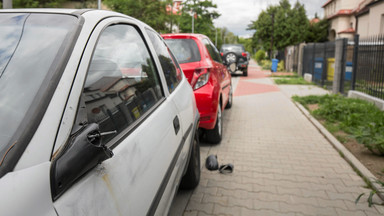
{"type": "Point", "coordinates": [185, 50]}
{"type": "Point", "coordinates": [212, 50]}
{"type": "Point", "coordinates": [232, 48]}
{"type": "Point", "coordinates": [170, 68]}
{"type": "Point", "coordinates": [122, 83]}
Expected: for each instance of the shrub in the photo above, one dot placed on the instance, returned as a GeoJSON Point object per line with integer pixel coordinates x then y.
{"type": "Point", "coordinates": [280, 66]}
{"type": "Point", "coordinates": [266, 64]}
{"type": "Point", "coordinates": [359, 118]}
{"type": "Point", "coordinates": [260, 55]}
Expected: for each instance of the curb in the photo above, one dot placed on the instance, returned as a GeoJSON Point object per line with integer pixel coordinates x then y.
{"type": "Point", "coordinates": [348, 156]}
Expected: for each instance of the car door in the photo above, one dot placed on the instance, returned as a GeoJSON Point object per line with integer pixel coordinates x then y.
{"type": "Point", "coordinates": [133, 118]}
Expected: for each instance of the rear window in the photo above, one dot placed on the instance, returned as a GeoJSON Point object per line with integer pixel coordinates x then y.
{"type": "Point", "coordinates": [233, 48]}
{"type": "Point", "coordinates": [185, 50]}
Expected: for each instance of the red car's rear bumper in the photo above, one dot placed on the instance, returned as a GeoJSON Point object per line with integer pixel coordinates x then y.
{"type": "Point", "coordinates": [207, 99]}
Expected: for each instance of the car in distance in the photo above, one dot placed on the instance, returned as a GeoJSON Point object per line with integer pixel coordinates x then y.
{"type": "Point", "coordinates": [202, 65]}
{"type": "Point", "coordinates": [235, 53]}
{"type": "Point", "coordinates": [96, 116]}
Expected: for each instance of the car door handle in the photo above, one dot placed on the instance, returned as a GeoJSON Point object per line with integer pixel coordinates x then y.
{"type": "Point", "coordinates": [176, 124]}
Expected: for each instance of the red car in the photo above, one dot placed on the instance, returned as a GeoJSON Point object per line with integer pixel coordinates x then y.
{"type": "Point", "coordinates": [202, 65]}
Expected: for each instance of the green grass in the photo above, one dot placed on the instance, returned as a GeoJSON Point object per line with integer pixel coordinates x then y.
{"type": "Point", "coordinates": [292, 81]}
{"type": "Point", "coordinates": [358, 118]}
{"type": "Point", "coordinates": [285, 76]}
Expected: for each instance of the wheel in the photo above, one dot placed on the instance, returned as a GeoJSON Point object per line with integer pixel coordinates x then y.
{"type": "Point", "coordinates": [245, 72]}
{"type": "Point", "coordinates": [214, 136]}
{"type": "Point", "coordinates": [191, 178]}
{"type": "Point", "coordinates": [230, 57]}
{"type": "Point", "coordinates": [230, 97]}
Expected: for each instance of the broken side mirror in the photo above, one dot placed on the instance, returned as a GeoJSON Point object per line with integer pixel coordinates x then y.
{"type": "Point", "coordinates": [83, 151]}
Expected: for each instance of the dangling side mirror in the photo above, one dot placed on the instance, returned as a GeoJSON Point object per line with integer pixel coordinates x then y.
{"type": "Point", "coordinates": [83, 151]}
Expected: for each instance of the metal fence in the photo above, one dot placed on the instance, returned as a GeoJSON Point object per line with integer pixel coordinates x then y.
{"type": "Point", "coordinates": [318, 60]}
{"type": "Point", "coordinates": [369, 73]}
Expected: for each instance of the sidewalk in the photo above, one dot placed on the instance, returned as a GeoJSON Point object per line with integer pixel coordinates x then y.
{"type": "Point", "coordinates": [283, 165]}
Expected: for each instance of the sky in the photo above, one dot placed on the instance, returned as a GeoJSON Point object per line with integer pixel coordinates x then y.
{"type": "Point", "coordinates": [236, 15]}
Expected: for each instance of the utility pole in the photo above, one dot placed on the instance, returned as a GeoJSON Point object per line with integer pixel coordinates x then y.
{"type": "Point", "coordinates": [193, 21]}
{"type": "Point", "coordinates": [273, 26]}
{"type": "Point", "coordinates": [99, 4]}
{"type": "Point", "coordinates": [171, 16]}
{"type": "Point", "coordinates": [7, 4]}
{"type": "Point", "coordinates": [216, 38]}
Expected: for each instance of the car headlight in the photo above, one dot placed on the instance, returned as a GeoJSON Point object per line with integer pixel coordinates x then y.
{"type": "Point", "coordinates": [202, 80]}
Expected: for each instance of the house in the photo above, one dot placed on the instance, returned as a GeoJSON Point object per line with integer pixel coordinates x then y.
{"type": "Point", "coordinates": [370, 19]}
{"type": "Point", "coordinates": [342, 17]}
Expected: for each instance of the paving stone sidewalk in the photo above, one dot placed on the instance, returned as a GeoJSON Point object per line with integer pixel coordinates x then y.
{"type": "Point", "coordinates": [283, 165]}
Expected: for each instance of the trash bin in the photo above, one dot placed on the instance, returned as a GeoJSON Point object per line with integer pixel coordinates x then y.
{"type": "Point", "coordinates": [318, 72]}
{"type": "Point", "coordinates": [331, 69]}
{"type": "Point", "coordinates": [274, 65]}
{"type": "Point", "coordinates": [348, 71]}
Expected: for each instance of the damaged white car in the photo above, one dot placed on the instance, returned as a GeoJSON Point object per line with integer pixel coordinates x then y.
{"type": "Point", "coordinates": [97, 117]}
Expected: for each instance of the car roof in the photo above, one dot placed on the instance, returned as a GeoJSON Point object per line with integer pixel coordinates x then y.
{"type": "Point", "coordinates": [45, 10]}
{"type": "Point", "coordinates": [89, 13]}
{"type": "Point", "coordinates": [183, 35]}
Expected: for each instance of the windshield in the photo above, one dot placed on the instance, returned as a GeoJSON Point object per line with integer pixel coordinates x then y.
{"type": "Point", "coordinates": [29, 44]}
{"type": "Point", "coordinates": [185, 50]}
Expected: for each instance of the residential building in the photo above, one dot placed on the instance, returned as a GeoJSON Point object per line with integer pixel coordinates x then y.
{"type": "Point", "coordinates": [175, 9]}
{"type": "Point", "coordinates": [342, 17]}
{"type": "Point", "coordinates": [370, 19]}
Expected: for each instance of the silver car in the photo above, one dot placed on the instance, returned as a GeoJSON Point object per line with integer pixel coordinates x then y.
{"type": "Point", "coordinates": [97, 117]}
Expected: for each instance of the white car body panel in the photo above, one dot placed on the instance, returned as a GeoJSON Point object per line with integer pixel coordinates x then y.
{"type": "Point", "coordinates": [27, 192]}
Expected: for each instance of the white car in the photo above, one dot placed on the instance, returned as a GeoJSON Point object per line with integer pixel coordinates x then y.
{"type": "Point", "coordinates": [78, 134]}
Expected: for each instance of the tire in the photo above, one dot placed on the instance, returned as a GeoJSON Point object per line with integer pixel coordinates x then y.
{"type": "Point", "coordinates": [230, 98]}
{"type": "Point", "coordinates": [214, 136]}
{"type": "Point", "coordinates": [191, 177]}
{"type": "Point", "coordinates": [230, 57]}
{"type": "Point", "coordinates": [245, 72]}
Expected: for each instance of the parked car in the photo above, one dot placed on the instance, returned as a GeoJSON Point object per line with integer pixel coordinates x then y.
{"type": "Point", "coordinates": [202, 65]}
{"type": "Point", "coordinates": [235, 53]}
{"type": "Point", "coordinates": [96, 116]}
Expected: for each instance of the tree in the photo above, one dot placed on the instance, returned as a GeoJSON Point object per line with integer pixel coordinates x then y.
{"type": "Point", "coordinates": [152, 12]}
{"type": "Point", "coordinates": [318, 32]}
{"type": "Point", "coordinates": [203, 15]}
{"type": "Point", "coordinates": [37, 3]}
{"type": "Point", "coordinates": [281, 25]}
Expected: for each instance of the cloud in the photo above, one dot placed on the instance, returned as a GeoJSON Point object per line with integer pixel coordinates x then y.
{"type": "Point", "coordinates": [237, 15]}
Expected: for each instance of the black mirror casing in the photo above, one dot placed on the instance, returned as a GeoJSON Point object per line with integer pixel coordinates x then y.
{"type": "Point", "coordinates": [80, 154]}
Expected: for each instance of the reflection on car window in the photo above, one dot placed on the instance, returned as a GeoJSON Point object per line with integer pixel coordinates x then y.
{"type": "Point", "coordinates": [212, 51]}
{"type": "Point", "coordinates": [185, 50]}
{"type": "Point", "coordinates": [171, 71]}
{"type": "Point", "coordinates": [30, 47]}
{"type": "Point", "coordinates": [122, 82]}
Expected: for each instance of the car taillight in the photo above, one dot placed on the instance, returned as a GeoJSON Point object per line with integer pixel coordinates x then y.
{"type": "Point", "coordinates": [222, 54]}
{"type": "Point", "coordinates": [244, 54]}
{"type": "Point", "coordinates": [201, 76]}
